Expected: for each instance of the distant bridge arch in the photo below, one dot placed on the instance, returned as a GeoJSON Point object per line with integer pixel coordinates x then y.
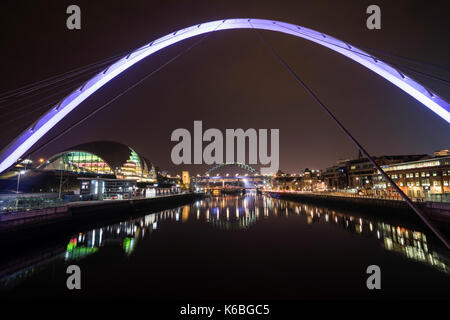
{"type": "Point", "coordinates": [236, 164]}
{"type": "Point", "coordinates": [22, 144]}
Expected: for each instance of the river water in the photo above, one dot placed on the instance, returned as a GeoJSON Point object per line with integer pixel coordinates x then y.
{"type": "Point", "coordinates": [238, 247]}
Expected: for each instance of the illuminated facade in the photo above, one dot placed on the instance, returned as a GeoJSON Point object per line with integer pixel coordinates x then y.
{"type": "Point", "coordinates": [442, 153]}
{"type": "Point", "coordinates": [100, 188]}
{"type": "Point", "coordinates": [419, 179]}
{"type": "Point", "coordinates": [185, 178]}
{"type": "Point", "coordinates": [110, 159]}
{"type": "Point", "coordinates": [360, 174]}
{"type": "Point", "coordinates": [137, 169]}
{"type": "Point", "coordinates": [78, 162]}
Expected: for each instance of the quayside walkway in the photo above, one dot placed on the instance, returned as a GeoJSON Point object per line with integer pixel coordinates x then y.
{"type": "Point", "coordinates": [86, 209]}
{"type": "Point", "coordinates": [438, 210]}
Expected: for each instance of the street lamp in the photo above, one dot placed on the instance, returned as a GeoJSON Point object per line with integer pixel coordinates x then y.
{"type": "Point", "coordinates": [18, 179]}
{"type": "Point", "coordinates": [60, 180]}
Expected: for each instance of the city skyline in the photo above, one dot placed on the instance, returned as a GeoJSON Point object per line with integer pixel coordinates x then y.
{"type": "Point", "coordinates": [214, 158]}
{"type": "Point", "coordinates": [308, 139]}
{"type": "Point", "coordinates": [201, 169]}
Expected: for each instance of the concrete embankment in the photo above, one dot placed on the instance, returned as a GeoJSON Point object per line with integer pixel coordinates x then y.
{"type": "Point", "coordinates": [439, 212]}
{"type": "Point", "coordinates": [88, 212]}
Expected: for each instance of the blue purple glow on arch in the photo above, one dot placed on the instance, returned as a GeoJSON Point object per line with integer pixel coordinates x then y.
{"type": "Point", "coordinates": [32, 135]}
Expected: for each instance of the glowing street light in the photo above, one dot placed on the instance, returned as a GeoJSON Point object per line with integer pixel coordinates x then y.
{"type": "Point", "coordinates": [18, 179]}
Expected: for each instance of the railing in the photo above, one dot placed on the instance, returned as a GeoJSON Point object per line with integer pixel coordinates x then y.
{"type": "Point", "coordinates": [28, 204]}
{"type": "Point", "coordinates": [432, 198]}
{"type": "Point", "coordinates": [157, 195]}
{"type": "Point", "coordinates": [33, 213]}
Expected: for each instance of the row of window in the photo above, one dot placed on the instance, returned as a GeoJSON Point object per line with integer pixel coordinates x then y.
{"type": "Point", "coordinates": [419, 174]}
{"type": "Point", "coordinates": [411, 193]}
{"type": "Point", "coordinates": [425, 182]}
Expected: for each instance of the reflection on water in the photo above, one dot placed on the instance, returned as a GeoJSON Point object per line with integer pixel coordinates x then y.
{"type": "Point", "coordinates": [227, 213]}
{"type": "Point", "coordinates": [409, 243]}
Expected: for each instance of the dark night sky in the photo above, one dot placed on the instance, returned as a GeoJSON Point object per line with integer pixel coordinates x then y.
{"type": "Point", "coordinates": [231, 80]}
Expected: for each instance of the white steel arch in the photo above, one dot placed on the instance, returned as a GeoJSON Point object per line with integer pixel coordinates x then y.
{"type": "Point", "coordinates": [29, 137]}
{"type": "Point", "coordinates": [237, 164]}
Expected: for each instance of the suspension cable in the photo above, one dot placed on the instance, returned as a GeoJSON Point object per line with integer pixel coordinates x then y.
{"type": "Point", "coordinates": [428, 64]}
{"type": "Point", "coordinates": [25, 88]}
{"type": "Point", "coordinates": [47, 105]}
{"type": "Point", "coordinates": [358, 145]}
{"type": "Point", "coordinates": [60, 93]}
{"type": "Point", "coordinates": [350, 48]}
{"type": "Point", "coordinates": [117, 96]}
{"type": "Point", "coordinates": [51, 85]}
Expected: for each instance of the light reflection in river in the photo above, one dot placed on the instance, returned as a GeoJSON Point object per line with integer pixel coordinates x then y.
{"type": "Point", "coordinates": [227, 213]}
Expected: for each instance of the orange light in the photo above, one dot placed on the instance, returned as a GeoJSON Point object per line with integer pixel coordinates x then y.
{"type": "Point", "coordinates": [41, 160]}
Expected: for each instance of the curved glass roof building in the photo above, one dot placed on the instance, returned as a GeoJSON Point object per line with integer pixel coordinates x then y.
{"type": "Point", "coordinates": [103, 158]}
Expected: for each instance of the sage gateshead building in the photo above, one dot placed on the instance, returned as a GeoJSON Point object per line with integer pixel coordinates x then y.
{"type": "Point", "coordinates": [103, 159]}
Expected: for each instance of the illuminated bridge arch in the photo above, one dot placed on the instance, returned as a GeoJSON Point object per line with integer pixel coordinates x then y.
{"type": "Point", "coordinates": [32, 135]}
{"type": "Point", "coordinates": [236, 164]}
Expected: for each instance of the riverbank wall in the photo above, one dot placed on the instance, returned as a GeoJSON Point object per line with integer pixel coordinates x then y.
{"type": "Point", "coordinates": [439, 212]}
{"type": "Point", "coordinates": [88, 212]}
